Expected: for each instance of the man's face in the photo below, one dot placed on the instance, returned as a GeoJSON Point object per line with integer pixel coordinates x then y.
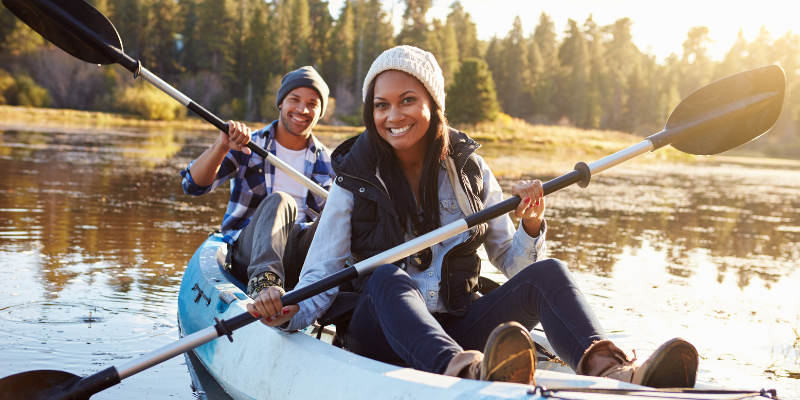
{"type": "Point", "coordinates": [300, 111]}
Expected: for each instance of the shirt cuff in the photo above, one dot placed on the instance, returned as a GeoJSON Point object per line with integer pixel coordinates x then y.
{"type": "Point", "coordinates": [298, 322]}
{"type": "Point", "coordinates": [189, 186]}
{"type": "Point", "coordinates": [531, 246]}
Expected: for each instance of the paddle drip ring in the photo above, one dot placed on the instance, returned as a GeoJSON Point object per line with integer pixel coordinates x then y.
{"type": "Point", "coordinates": [138, 69]}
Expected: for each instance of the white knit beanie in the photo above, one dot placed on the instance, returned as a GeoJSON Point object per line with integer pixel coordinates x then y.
{"type": "Point", "coordinates": [413, 61]}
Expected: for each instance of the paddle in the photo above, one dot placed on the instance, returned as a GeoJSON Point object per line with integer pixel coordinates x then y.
{"type": "Point", "coordinates": [84, 32]}
{"type": "Point", "coordinates": [718, 117]}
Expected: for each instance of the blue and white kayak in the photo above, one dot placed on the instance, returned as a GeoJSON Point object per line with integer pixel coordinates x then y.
{"type": "Point", "coordinates": [266, 363]}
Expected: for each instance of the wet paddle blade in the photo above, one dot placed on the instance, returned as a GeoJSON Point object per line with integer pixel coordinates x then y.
{"type": "Point", "coordinates": [729, 112]}
{"type": "Point", "coordinates": [35, 385]}
{"type": "Point", "coordinates": [46, 17]}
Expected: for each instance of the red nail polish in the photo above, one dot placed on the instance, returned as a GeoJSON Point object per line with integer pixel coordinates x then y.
{"type": "Point", "coordinates": [537, 202]}
{"type": "Point", "coordinates": [527, 199]}
{"type": "Point", "coordinates": [285, 311]}
{"type": "Point", "coordinates": [256, 314]}
{"type": "Point", "coordinates": [269, 319]}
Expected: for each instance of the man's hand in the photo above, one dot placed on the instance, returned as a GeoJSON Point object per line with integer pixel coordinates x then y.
{"type": "Point", "coordinates": [238, 136]}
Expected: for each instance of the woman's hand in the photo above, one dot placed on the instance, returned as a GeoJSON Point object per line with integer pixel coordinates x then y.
{"type": "Point", "coordinates": [267, 307]}
{"type": "Point", "coordinates": [531, 208]}
{"type": "Point", "coordinates": [238, 136]}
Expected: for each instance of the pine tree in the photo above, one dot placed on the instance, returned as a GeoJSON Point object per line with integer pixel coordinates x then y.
{"type": "Point", "coordinates": [321, 26]}
{"type": "Point", "coordinates": [544, 96]}
{"type": "Point", "coordinates": [574, 58]}
{"type": "Point", "coordinates": [163, 54]}
{"type": "Point", "coordinates": [294, 32]}
{"type": "Point", "coordinates": [515, 92]}
{"type": "Point", "coordinates": [130, 19]}
{"type": "Point", "coordinates": [374, 35]}
{"type": "Point", "coordinates": [189, 45]}
{"type": "Point", "coordinates": [443, 45]}
{"type": "Point", "coordinates": [696, 66]}
{"type": "Point", "coordinates": [735, 60]}
{"type": "Point", "coordinates": [496, 63]}
{"type": "Point", "coordinates": [465, 29]}
{"type": "Point", "coordinates": [472, 97]}
{"type": "Point", "coordinates": [214, 26]}
{"type": "Point", "coordinates": [415, 28]}
{"type": "Point", "coordinates": [344, 36]}
{"type": "Point", "coordinates": [622, 58]}
{"type": "Point", "coordinates": [598, 93]}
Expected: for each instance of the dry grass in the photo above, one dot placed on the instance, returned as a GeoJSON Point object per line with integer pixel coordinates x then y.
{"type": "Point", "coordinates": [92, 118]}
{"type": "Point", "coordinates": [506, 133]}
{"type": "Point", "coordinates": [517, 134]}
{"type": "Point", "coordinates": [64, 117]}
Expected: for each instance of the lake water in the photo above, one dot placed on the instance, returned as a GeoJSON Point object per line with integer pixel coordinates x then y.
{"type": "Point", "coordinates": [95, 232]}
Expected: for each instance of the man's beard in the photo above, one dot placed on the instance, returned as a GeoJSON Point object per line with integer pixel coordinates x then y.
{"type": "Point", "coordinates": [284, 119]}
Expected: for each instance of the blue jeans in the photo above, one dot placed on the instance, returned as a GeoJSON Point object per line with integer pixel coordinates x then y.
{"type": "Point", "coordinates": [391, 323]}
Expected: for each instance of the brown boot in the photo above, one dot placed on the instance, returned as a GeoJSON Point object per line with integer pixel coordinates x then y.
{"type": "Point", "coordinates": [672, 365]}
{"type": "Point", "coordinates": [507, 357]}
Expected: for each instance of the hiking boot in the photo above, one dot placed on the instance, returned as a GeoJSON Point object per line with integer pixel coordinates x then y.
{"type": "Point", "coordinates": [672, 365]}
{"type": "Point", "coordinates": [507, 357]}
{"type": "Point", "coordinates": [258, 283]}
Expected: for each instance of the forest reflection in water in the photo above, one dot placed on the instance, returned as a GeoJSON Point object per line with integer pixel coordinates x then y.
{"type": "Point", "coordinates": [94, 220]}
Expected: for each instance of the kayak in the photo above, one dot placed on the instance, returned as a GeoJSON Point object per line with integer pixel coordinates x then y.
{"type": "Point", "coordinates": [266, 363]}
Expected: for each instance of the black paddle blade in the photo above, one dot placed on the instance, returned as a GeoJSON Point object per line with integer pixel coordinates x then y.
{"type": "Point", "coordinates": [729, 112]}
{"type": "Point", "coordinates": [35, 385]}
{"type": "Point", "coordinates": [46, 16]}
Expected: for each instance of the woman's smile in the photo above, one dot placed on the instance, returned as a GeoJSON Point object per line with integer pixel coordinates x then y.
{"type": "Point", "coordinates": [401, 130]}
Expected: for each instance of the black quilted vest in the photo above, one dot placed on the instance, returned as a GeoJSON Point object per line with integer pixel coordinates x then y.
{"type": "Point", "coordinates": [375, 226]}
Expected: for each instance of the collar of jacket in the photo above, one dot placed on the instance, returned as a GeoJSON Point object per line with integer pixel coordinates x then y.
{"type": "Point", "coordinates": [354, 159]}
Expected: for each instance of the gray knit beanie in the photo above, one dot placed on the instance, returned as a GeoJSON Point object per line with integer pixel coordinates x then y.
{"type": "Point", "coordinates": [413, 61]}
{"type": "Point", "coordinates": [304, 77]}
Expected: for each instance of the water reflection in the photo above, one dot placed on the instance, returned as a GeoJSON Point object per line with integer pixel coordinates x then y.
{"type": "Point", "coordinates": [94, 220]}
{"type": "Point", "coordinates": [745, 223]}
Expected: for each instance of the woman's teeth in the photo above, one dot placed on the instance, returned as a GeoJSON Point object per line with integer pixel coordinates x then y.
{"type": "Point", "coordinates": [398, 131]}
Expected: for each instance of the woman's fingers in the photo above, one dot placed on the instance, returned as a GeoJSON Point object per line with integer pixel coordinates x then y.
{"type": "Point", "coordinates": [267, 307]}
{"type": "Point", "coordinates": [532, 194]}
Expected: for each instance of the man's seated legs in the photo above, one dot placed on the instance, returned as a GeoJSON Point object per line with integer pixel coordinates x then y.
{"type": "Point", "coordinates": [265, 254]}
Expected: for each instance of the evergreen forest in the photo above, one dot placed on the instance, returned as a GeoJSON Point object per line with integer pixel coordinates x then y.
{"type": "Point", "coordinates": [229, 56]}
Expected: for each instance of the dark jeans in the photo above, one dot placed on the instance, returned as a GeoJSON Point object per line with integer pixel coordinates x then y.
{"type": "Point", "coordinates": [272, 242]}
{"type": "Point", "coordinates": [390, 322]}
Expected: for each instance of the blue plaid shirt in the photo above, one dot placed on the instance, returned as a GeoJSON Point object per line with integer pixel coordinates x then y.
{"type": "Point", "coordinates": [253, 179]}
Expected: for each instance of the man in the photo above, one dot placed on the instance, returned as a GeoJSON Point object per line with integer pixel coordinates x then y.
{"type": "Point", "coordinates": [271, 218]}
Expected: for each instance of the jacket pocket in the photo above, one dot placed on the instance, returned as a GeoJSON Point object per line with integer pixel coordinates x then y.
{"type": "Point", "coordinates": [255, 176]}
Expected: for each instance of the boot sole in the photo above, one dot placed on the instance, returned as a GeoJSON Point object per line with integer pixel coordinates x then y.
{"type": "Point", "coordinates": [509, 355]}
{"type": "Point", "coordinates": [673, 365]}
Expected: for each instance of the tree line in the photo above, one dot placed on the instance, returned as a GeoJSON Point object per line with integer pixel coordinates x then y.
{"type": "Point", "coordinates": [229, 55]}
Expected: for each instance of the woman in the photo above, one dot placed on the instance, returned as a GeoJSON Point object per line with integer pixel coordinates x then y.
{"type": "Point", "coordinates": [408, 174]}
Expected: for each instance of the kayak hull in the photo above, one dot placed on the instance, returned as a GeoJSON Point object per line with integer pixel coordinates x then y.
{"type": "Point", "coordinates": [267, 363]}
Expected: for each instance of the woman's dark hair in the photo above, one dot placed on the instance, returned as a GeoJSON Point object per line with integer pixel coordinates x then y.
{"type": "Point", "coordinates": [437, 147]}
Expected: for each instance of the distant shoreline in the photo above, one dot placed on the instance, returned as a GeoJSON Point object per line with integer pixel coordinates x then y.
{"type": "Point", "coordinates": [502, 136]}
{"type": "Point", "coordinates": [77, 118]}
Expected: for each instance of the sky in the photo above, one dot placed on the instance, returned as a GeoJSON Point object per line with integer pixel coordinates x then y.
{"type": "Point", "coordinates": [659, 27]}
